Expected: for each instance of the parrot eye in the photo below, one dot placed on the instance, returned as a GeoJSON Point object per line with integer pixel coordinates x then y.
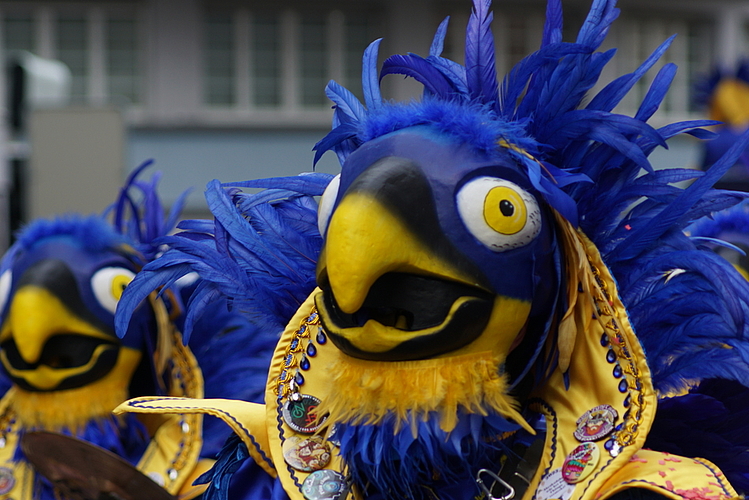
{"type": "Point", "coordinates": [5, 281]}
{"type": "Point", "coordinates": [108, 283]}
{"type": "Point", "coordinates": [499, 213]}
{"type": "Point", "coordinates": [325, 210]}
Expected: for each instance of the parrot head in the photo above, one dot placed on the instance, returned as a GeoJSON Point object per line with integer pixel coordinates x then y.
{"type": "Point", "coordinates": [60, 284]}
{"type": "Point", "coordinates": [60, 287]}
{"type": "Point", "coordinates": [434, 249]}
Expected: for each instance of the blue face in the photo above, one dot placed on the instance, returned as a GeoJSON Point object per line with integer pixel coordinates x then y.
{"type": "Point", "coordinates": [477, 216]}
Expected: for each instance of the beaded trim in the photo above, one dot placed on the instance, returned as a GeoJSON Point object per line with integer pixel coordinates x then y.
{"type": "Point", "coordinates": [297, 354]}
{"type": "Point", "coordinates": [624, 368]}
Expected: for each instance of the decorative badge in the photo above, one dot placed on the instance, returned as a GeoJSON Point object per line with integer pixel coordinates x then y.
{"type": "Point", "coordinates": [580, 463]}
{"type": "Point", "coordinates": [553, 486]}
{"type": "Point", "coordinates": [300, 415]}
{"type": "Point", "coordinates": [7, 481]}
{"type": "Point", "coordinates": [325, 485]}
{"type": "Point", "coordinates": [596, 423]}
{"type": "Point", "coordinates": [306, 454]}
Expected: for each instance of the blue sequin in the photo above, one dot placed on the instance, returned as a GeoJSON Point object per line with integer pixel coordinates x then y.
{"type": "Point", "coordinates": [611, 356]}
{"type": "Point", "coordinates": [311, 350]}
{"type": "Point", "coordinates": [304, 363]}
{"type": "Point", "coordinates": [288, 359]}
{"type": "Point", "coordinates": [294, 344]}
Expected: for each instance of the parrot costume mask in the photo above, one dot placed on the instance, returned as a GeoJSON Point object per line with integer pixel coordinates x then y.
{"type": "Point", "coordinates": [467, 318]}
{"type": "Point", "coordinates": [61, 276]}
{"type": "Point", "coordinates": [425, 291]}
{"type": "Point", "coordinates": [66, 370]}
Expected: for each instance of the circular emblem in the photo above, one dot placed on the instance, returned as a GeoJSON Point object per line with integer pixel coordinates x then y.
{"type": "Point", "coordinates": [7, 481]}
{"type": "Point", "coordinates": [596, 423]}
{"type": "Point", "coordinates": [553, 486]}
{"type": "Point", "coordinates": [300, 414]}
{"type": "Point", "coordinates": [325, 485]}
{"type": "Point", "coordinates": [306, 454]}
{"type": "Point", "coordinates": [580, 463]}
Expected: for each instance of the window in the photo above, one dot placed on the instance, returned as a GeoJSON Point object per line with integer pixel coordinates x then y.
{"type": "Point", "coordinates": [123, 72]}
{"type": "Point", "coordinates": [313, 57]}
{"type": "Point", "coordinates": [282, 59]}
{"type": "Point", "coordinates": [98, 44]}
{"type": "Point", "coordinates": [72, 49]}
{"type": "Point", "coordinates": [219, 59]}
{"type": "Point", "coordinates": [18, 31]}
{"type": "Point", "coordinates": [266, 60]}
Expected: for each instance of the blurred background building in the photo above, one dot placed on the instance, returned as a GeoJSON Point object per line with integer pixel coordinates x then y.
{"type": "Point", "coordinates": [234, 89]}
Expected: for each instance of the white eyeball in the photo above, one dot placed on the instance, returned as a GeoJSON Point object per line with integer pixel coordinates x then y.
{"type": "Point", "coordinates": [108, 283]}
{"type": "Point", "coordinates": [6, 280]}
{"type": "Point", "coordinates": [499, 213]}
{"type": "Point", "coordinates": [325, 209]}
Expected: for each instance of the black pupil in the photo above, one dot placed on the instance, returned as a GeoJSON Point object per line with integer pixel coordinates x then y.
{"type": "Point", "coordinates": [507, 208]}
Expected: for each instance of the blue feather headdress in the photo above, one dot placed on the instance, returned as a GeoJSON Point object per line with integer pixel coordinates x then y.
{"type": "Point", "coordinates": [589, 163]}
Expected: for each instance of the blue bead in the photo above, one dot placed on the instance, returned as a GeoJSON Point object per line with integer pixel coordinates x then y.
{"type": "Point", "coordinates": [304, 363]}
{"type": "Point", "coordinates": [321, 338]}
{"type": "Point", "coordinates": [299, 378]}
{"type": "Point", "coordinates": [294, 344]}
{"type": "Point", "coordinates": [609, 444]}
{"type": "Point", "coordinates": [311, 350]}
{"type": "Point", "coordinates": [604, 340]}
{"type": "Point", "coordinates": [623, 385]}
{"type": "Point", "coordinates": [618, 371]}
{"type": "Point", "coordinates": [288, 359]}
{"type": "Point", "coordinates": [626, 401]}
{"type": "Point", "coordinates": [611, 356]}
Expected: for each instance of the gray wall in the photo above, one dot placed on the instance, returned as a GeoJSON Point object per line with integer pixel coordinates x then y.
{"type": "Point", "coordinates": [76, 162]}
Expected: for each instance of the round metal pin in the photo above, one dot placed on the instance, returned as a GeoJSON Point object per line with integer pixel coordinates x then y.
{"type": "Point", "coordinates": [306, 454]}
{"type": "Point", "coordinates": [300, 414]}
{"type": "Point", "coordinates": [325, 485]}
{"type": "Point", "coordinates": [7, 480]}
{"type": "Point", "coordinates": [596, 423]}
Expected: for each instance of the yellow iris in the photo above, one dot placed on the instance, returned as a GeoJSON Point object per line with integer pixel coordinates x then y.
{"type": "Point", "coordinates": [119, 283]}
{"type": "Point", "coordinates": [504, 210]}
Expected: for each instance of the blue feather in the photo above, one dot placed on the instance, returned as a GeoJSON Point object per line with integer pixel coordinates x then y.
{"type": "Point", "coordinates": [370, 81]}
{"type": "Point", "coordinates": [421, 70]}
{"type": "Point", "coordinates": [554, 23]}
{"type": "Point", "coordinates": [481, 73]}
{"type": "Point", "coordinates": [438, 42]}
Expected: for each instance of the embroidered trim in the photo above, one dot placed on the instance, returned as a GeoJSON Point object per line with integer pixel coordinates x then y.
{"type": "Point", "coordinates": [625, 433]}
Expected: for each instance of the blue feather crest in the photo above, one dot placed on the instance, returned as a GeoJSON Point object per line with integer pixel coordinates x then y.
{"type": "Point", "coordinates": [139, 213]}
